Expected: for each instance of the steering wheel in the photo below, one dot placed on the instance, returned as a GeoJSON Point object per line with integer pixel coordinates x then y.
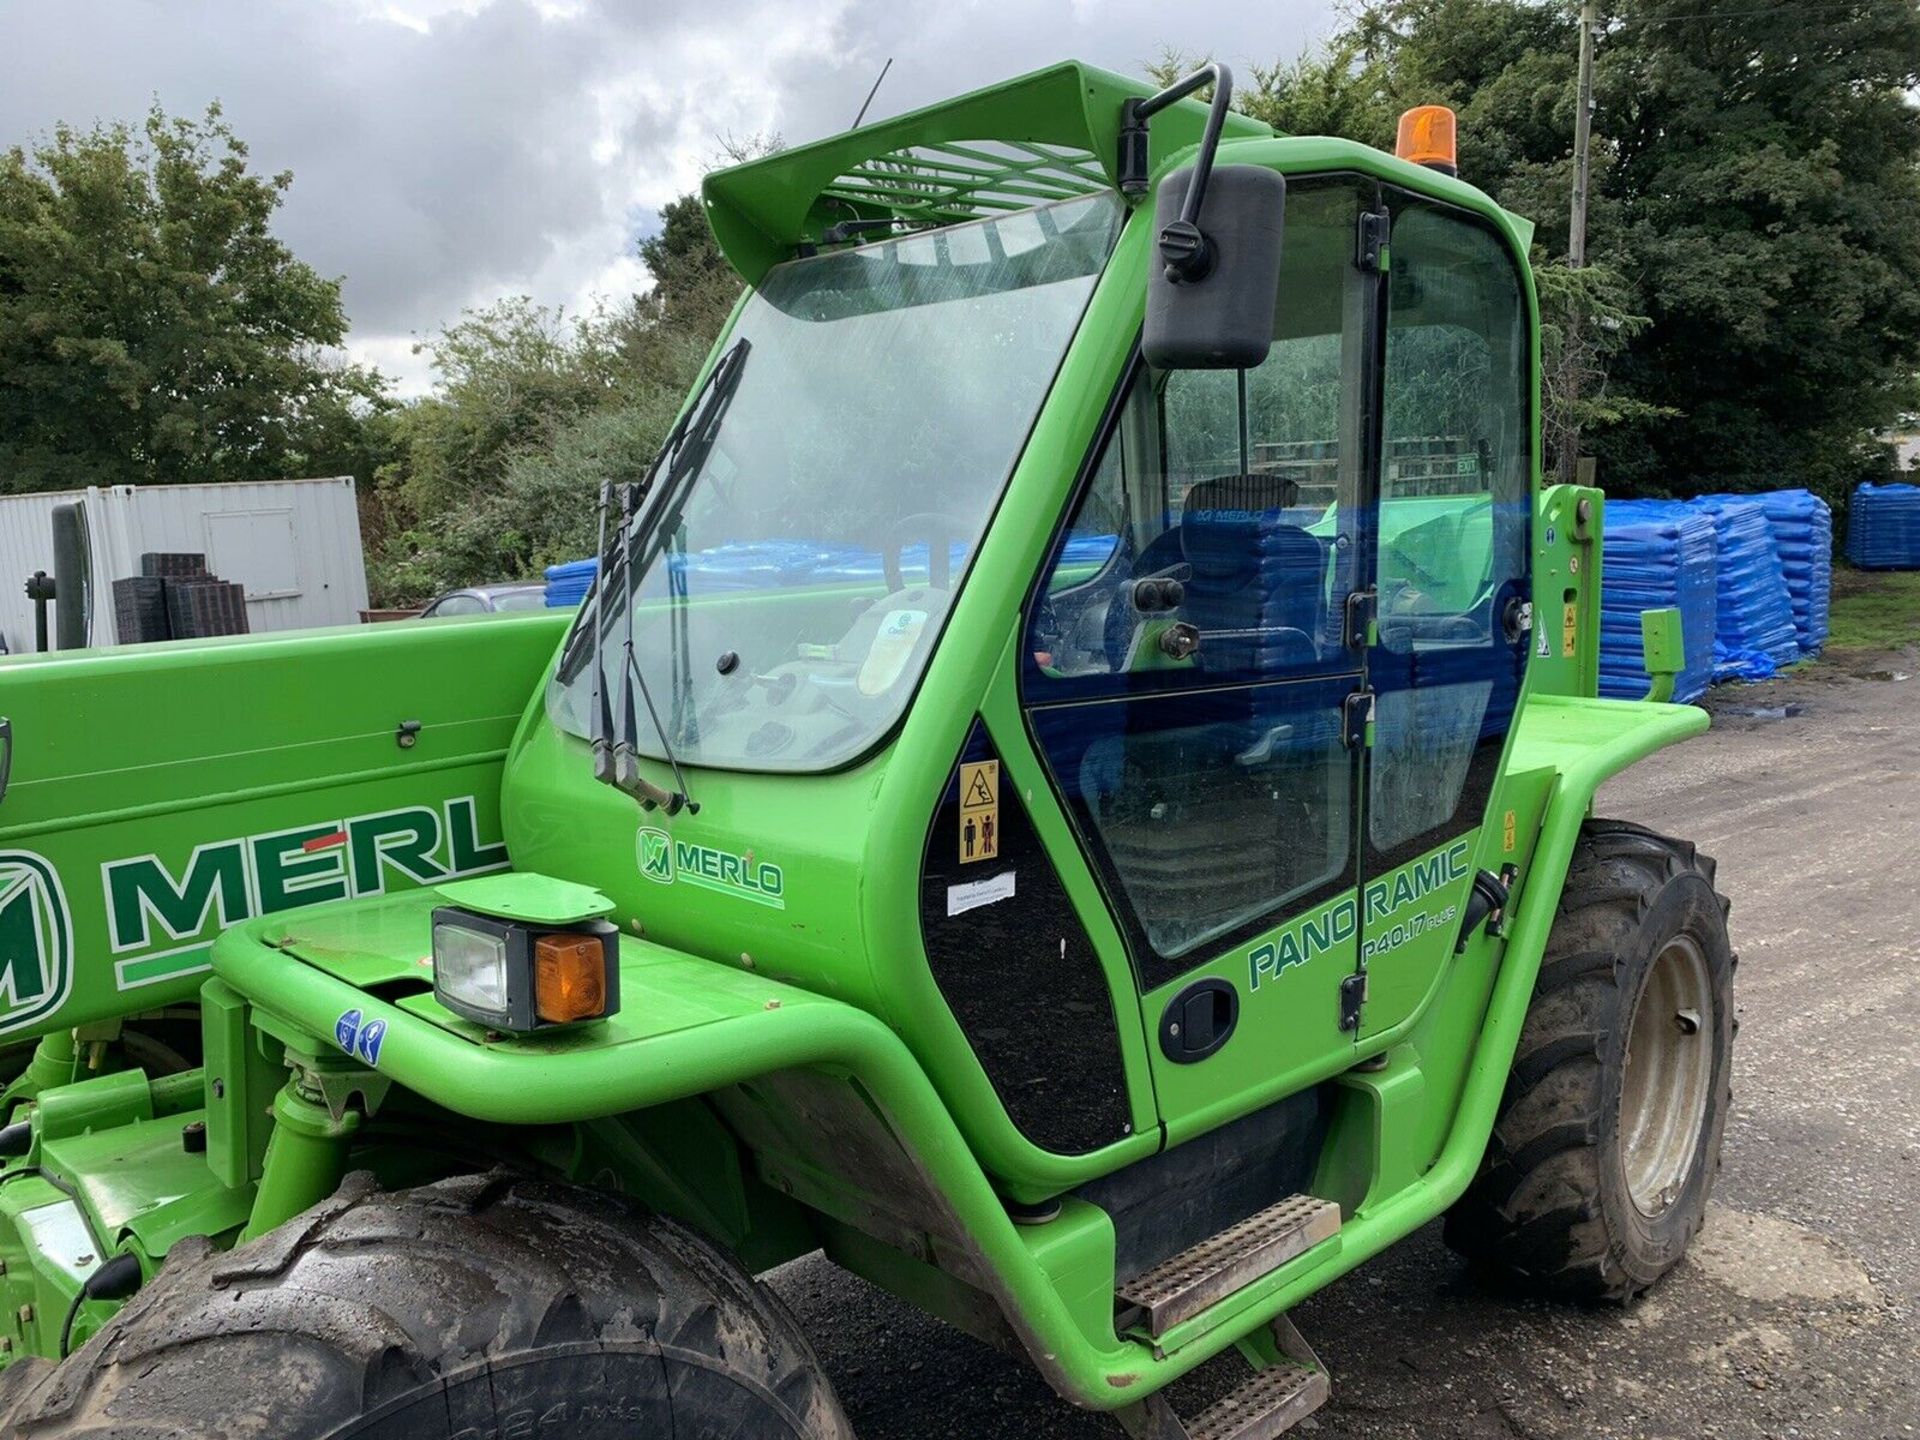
{"type": "Point", "coordinates": [937, 529]}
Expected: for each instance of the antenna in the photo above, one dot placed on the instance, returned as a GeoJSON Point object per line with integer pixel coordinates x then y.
{"type": "Point", "coordinates": [873, 92]}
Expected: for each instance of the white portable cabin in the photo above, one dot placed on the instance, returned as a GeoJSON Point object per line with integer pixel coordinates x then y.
{"type": "Point", "coordinates": [293, 544]}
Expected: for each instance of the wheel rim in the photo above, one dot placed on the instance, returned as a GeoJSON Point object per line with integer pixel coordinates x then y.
{"type": "Point", "coordinates": [1669, 1076]}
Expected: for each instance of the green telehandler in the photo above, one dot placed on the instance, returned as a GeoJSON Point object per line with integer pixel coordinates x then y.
{"type": "Point", "coordinates": [1071, 794]}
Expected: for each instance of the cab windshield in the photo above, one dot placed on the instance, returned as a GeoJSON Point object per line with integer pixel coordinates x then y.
{"type": "Point", "coordinates": [816, 547]}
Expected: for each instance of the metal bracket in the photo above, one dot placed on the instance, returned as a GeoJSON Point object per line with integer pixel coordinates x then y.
{"type": "Point", "coordinates": [334, 1083]}
{"type": "Point", "coordinates": [1356, 720]}
{"type": "Point", "coordinates": [1373, 253]}
{"type": "Point", "coordinates": [1363, 608]}
{"type": "Point", "coordinates": [1353, 999]}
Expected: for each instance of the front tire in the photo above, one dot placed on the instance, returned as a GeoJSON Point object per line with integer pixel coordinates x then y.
{"type": "Point", "coordinates": [1608, 1140]}
{"type": "Point", "coordinates": [485, 1306]}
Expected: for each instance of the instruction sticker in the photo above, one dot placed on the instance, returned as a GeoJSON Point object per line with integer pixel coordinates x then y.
{"type": "Point", "coordinates": [359, 1036]}
{"type": "Point", "coordinates": [1509, 831]}
{"type": "Point", "coordinates": [979, 810]}
{"type": "Point", "coordinates": [975, 893]}
{"type": "Point", "coordinates": [1570, 628]}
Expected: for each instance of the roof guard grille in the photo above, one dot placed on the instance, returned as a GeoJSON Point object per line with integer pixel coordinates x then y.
{"type": "Point", "coordinates": [969, 179]}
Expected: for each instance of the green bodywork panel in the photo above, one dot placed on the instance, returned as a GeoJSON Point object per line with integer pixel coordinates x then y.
{"type": "Point", "coordinates": [1663, 648]}
{"type": "Point", "coordinates": [536, 899]}
{"type": "Point", "coordinates": [784, 1071]}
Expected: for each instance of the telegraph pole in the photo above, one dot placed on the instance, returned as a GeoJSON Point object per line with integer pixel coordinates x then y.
{"type": "Point", "coordinates": [1577, 238]}
{"type": "Point", "coordinates": [1582, 141]}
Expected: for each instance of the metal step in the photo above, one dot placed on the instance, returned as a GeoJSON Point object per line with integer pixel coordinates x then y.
{"type": "Point", "coordinates": [1181, 1287]}
{"type": "Point", "coordinates": [1268, 1404]}
{"type": "Point", "coordinates": [1271, 1403]}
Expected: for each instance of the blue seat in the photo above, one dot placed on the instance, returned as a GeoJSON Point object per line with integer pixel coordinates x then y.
{"type": "Point", "coordinates": [1256, 573]}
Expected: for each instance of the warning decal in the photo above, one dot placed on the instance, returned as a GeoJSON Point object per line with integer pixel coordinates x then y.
{"type": "Point", "coordinates": [979, 810]}
{"type": "Point", "coordinates": [1570, 628]}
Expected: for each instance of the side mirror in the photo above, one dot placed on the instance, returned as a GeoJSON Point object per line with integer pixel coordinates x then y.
{"type": "Point", "coordinates": [1220, 318]}
{"type": "Point", "coordinates": [1216, 273]}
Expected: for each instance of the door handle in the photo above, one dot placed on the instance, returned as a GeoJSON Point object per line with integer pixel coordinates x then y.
{"type": "Point", "coordinates": [6, 754]}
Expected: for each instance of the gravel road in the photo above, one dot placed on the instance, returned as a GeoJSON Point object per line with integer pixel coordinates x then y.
{"type": "Point", "coordinates": [1797, 1315]}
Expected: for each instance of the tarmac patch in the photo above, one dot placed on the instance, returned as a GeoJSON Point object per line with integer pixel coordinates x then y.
{"type": "Point", "coordinates": [1773, 1260]}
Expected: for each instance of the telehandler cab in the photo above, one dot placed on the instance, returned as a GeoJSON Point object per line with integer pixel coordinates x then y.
{"type": "Point", "coordinates": [1071, 795]}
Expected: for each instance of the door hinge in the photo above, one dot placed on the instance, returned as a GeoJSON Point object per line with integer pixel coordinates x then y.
{"type": "Point", "coordinates": [1356, 721]}
{"type": "Point", "coordinates": [1363, 610]}
{"type": "Point", "coordinates": [1353, 998]}
{"type": "Point", "coordinates": [1374, 254]}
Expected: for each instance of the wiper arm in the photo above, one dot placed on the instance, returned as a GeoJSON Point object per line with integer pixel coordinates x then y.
{"type": "Point", "coordinates": [707, 407]}
{"type": "Point", "coordinates": [600, 719]}
{"type": "Point", "coordinates": [626, 757]}
{"type": "Point", "coordinates": [686, 449]}
{"type": "Point", "coordinates": [616, 759]}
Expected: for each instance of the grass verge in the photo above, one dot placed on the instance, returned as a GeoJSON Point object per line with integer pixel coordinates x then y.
{"type": "Point", "coordinates": [1874, 609]}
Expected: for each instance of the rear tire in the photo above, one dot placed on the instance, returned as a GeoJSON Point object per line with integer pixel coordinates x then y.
{"type": "Point", "coordinates": [479, 1307]}
{"type": "Point", "coordinates": [1608, 1139]}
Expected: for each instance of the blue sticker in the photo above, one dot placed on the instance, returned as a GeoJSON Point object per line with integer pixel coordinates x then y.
{"type": "Point", "coordinates": [345, 1029]}
{"type": "Point", "coordinates": [371, 1036]}
{"type": "Point", "coordinates": [1550, 535]}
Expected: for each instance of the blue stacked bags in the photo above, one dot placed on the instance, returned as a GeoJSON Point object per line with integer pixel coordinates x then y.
{"type": "Point", "coordinates": [1755, 634]}
{"type": "Point", "coordinates": [1803, 532]}
{"type": "Point", "coordinates": [568, 584]}
{"type": "Point", "coordinates": [1883, 532]}
{"type": "Point", "coordinates": [1658, 554]}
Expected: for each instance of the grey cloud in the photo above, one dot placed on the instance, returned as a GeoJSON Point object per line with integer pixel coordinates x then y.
{"type": "Point", "coordinates": [436, 170]}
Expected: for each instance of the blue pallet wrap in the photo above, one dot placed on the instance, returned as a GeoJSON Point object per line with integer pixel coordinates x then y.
{"type": "Point", "coordinates": [1657, 555]}
{"type": "Point", "coordinates": [1803, 530]}
{"type": "Point", "coordinates": [1883, 529]}
{"type": "Point", "coordinates": [1755, 635]}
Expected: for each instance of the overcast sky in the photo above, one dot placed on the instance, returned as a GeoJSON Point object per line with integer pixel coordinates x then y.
{"type": "Point", "coordinates": [448, 152]}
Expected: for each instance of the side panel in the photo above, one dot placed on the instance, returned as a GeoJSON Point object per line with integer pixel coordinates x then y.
{"type": "Point", "coordinates": [161, 793]}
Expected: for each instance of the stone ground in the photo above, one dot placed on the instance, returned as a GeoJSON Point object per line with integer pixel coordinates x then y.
{"type": "Point", "coordinates": [1797, 1314]}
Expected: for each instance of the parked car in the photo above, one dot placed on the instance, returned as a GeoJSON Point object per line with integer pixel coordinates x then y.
{"type": "Point", "coordinates": [486, 599]}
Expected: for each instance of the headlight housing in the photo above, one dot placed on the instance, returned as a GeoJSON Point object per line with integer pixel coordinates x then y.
{"type": "Point", "coordinates": [523, 978]}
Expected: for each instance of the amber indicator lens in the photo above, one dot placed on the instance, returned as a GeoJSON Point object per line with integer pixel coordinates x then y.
{"type": "Point", "coordinates": [569, 978]}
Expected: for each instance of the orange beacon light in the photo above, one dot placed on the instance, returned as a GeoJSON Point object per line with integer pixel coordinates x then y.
{"type": "Point", "coordinates": [1427, 138]}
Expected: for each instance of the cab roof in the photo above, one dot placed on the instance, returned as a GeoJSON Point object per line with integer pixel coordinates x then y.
{"type": "Point", "coordinates": [1044, 137]}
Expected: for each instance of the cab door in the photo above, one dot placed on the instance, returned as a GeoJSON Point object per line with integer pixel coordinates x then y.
{"type": "Point", "coordinates": [1449, 568]}
{"type": "Point", "coordinates": [1191, 676]}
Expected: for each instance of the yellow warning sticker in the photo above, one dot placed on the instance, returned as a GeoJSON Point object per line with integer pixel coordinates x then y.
{"type": "Point", "coordinates": [1570, 629]}
{"type": "Point", "coordinates": [979, 810]}
{"type": "Point", "coordinates": [1508, 832]}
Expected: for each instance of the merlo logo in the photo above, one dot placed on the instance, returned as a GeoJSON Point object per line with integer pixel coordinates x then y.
{"type": "Point", "coordinates": [36, 940]}
{"type": "Point", "coordinates": [656, 855]}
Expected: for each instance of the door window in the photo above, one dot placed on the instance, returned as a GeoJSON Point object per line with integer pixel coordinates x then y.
{"type": "Point", "coordinates": [1186, 657]}
{"type": "Point", "coordinates": [1453, 528]}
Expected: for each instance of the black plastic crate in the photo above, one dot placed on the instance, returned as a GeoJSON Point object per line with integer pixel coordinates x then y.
{"type": "Point", "coordinates": [140, 609]}
{"type": "Point", "coordinates": [199, 606]}
{"type": "Point", "coordinates": [172, 563]}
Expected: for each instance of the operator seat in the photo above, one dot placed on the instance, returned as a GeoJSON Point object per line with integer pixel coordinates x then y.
{"type": "Point", "coordinates": [1255, 573]}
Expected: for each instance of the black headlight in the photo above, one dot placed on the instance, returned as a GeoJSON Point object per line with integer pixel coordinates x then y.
{"type": "Point", "coordinates": [523, 978]}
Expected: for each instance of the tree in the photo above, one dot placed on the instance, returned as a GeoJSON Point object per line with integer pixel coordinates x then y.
{"type": "Point", "coordinates": [152, 328]}
{"type": "Point", "coordinates": [693, 285]}
{"type": "Point", "coordinates": [1766, 172]}
{"type": "Point", "coordinates": [1754, 315]}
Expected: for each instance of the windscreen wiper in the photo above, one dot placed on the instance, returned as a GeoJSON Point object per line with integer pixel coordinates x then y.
{"type": "Point", "coordinates": [626, 749]}
{"type": "Point", "coordinates": [636, 543]}
{"type": "Point", "coordinates": [701, 418]}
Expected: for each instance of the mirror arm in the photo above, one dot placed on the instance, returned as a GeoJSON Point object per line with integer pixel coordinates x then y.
{"type": "Point", "coordinates": [1183, 246]}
